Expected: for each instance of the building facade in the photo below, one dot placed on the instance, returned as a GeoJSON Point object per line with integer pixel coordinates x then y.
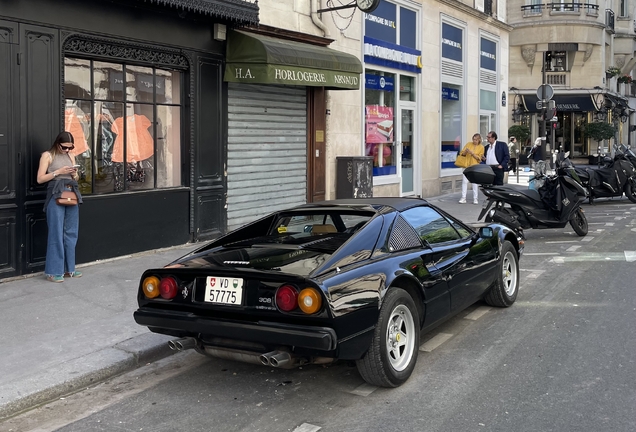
{"type": "Point", "coordinates": [583, 51]}
{"type": "Point", "coordinates": [140, 85]}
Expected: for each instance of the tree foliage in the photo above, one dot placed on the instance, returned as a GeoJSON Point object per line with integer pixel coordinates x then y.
{"type": "Point", "coordinates": [599, 131]}
{"type": "Point", "coordinates": [521, 132]}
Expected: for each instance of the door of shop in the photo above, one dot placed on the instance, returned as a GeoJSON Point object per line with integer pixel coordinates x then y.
{"type": "Point", "coordinates": [29, 120]}
{"type": "Point", "coordinates": [10, 194]}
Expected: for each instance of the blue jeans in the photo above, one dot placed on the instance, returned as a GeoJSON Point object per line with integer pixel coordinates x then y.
{"type": "Point", "coordinates": [63, 223]}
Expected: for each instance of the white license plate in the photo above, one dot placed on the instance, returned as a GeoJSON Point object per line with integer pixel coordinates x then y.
{"type": "Point", "coordinates": [222, 290]}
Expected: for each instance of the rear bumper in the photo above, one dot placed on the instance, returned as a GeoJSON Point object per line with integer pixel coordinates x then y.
{"type": "Point", "coordinates": [263, 332]}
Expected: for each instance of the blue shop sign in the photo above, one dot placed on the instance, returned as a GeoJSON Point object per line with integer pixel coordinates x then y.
{"type": "Point", "coordinates": [380, 24]}
{"type": "Point", "coordinates": [452, 42]}
{"type": "Point", "coordinates": [391, 55]}
{"type": "Point", "coordinates": [377, 82]}
{"type": "Point", "coordinates": [450, 93]}
{"type": "Point", "coordinates": [488, 54]}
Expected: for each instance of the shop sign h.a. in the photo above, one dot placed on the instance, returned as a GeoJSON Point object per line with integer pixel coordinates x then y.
{"type": "Point", "coordinates": [291, 75]}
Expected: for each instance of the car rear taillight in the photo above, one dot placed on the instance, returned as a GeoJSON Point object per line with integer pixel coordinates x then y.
{"type": "Point", "coordinates": [309, 300]}
{"type": "Point", "coordinates": [150, 286]}
{"type": "Point", "coordinates": [286, 298]}
{"type": "Point", "coordinates": [168, 288]}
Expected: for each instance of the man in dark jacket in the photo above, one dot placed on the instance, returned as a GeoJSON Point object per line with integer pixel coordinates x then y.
{"type": "Point", "coordinates": [497, 156]}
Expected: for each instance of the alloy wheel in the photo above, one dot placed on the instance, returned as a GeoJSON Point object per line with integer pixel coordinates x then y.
{"type": "Point", "coordinates": [400, 337]}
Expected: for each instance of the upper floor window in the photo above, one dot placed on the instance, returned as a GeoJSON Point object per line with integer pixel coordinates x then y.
{"type": "Point", "coordinates": [126, 122]}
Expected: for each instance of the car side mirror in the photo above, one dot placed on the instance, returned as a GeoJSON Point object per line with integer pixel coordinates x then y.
{"type": "Point", "coordinates": [486, 232]}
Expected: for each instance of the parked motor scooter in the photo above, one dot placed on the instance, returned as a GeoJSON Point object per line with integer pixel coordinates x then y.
{"type": "Point", "coordinates": [553, 205]}
{"type": "Point", "coordinates": [613, 179]}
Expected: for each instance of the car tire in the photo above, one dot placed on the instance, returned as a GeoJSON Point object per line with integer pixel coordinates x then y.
{"type": "Point", "coordinates": [392, 355]}
{"type": "Point", "coordinates": [504, 291]}
{"type": "Point", "coordinates": [630, 190]}
{"type": "Point", "coordinates": [579, 222]}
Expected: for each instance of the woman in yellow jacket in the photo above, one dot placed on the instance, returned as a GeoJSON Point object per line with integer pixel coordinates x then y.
{"type": "Point", "coordinates": [473, 151]}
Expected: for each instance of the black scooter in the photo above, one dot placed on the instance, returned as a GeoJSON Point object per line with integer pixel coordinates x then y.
{"type": "Point", "coordinates": [614, 178]}
{"type": "Point", "coordinates": [553, 205]}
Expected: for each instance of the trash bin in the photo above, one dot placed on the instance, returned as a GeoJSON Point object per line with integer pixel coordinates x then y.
{"type": "Point", "coordinates": [354, 177]}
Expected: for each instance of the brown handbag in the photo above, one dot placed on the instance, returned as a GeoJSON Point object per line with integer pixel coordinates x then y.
{"type": "Point", "coordinates": [68, 198]}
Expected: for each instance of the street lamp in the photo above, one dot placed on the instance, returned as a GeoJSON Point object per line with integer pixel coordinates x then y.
{"type": "Point", "coordinates": [600, 115]}
{"type": "Point", "coordinates": [517, 110]}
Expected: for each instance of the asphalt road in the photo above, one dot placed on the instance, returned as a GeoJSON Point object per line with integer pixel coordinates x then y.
{"type": "Point", "coordinates": [562, 358]}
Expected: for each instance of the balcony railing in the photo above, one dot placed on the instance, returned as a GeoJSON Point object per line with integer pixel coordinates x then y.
{"type": "Point", "coordinates": [537, 9]}
{"type": "Point", "coordinates": [609, 20]}
{"type": "Point", "coordinates": [557, 79]}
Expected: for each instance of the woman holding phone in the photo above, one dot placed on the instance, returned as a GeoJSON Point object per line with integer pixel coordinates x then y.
{"type": "Point", "coordinates": [58, 169]}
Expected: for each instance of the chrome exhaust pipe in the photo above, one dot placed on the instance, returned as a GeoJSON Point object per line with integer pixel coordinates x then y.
{"type": "Point", "coordinates": [264, 358]}
{"type": "Point", "coordinates": [182, 344]}
{"type": "Point", "coordinates": [280, 359]}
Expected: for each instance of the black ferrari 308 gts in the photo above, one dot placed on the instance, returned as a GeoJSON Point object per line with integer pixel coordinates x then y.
{"type": "Point", "coordinates": [351, 279]}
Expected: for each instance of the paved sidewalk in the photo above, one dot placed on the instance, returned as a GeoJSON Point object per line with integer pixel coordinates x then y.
{"type": "Point", "coordinates": [59, 338]}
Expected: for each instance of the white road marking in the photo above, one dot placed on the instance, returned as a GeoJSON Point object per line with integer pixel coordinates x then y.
{"type": "Point", "coordinates": [592, 257]}
{"type": "Point", "coordinates": [572, 248]}
{"type": "Point", "coordinates": [595, 223]}
{"type": "Point", "coordinates": [609, 224]}
{"type": "Point", "coordinates": [563, 241]}
{"type": "Point", "coordinates": [306, 427]}
{"type": "Point", "coordinates": [478, 313]}
{"type": "Point", "coordinates": [587, 238]}
{"type": "Point", "coordinates": [435, 342]}
{"type": "Point", "coordinates": [540, 253]}
{"type": "Point", "coordinates": [533, 273]}
{"type": "Point", "coordinates": [619, 217]}
{"type": "Point", "coordinates": [364, 390]}
{"type": "Point", "coordinates": [599, 230]}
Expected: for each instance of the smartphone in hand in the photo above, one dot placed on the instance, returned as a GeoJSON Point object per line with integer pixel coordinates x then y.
{"type": "Point", "coordinates": [76, 166]}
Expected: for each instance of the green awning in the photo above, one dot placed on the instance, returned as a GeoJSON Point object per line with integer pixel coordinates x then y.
{"type": "Point", "coordinates": [259, 59]}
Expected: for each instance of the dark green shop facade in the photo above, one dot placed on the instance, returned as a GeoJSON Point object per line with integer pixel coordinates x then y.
{"type": "Point", "coordinates": [140, 86]}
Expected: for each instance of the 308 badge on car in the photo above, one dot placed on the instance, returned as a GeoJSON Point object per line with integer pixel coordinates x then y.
{"type": "Point", "coordinates": [223, 290]}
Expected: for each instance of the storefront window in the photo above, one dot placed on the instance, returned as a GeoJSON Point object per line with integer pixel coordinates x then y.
{"type": "Point", "coordinates": [379, 112]}
{"type": "Point", "coordinates": [127, 134]}
{"type": "Point", "coordinates": [407, 88]}
{"type": "Point", "coordinates": [452, 123]}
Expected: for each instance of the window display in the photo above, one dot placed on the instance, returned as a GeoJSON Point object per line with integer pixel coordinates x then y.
{"type": "Point", "coordinates": [379, 109]}
{"type": "Point", "coordinates": [127, 131]}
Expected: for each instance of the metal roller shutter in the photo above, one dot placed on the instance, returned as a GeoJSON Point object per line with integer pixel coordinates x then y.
{"type": "Point", "coordinates": [267, 150]}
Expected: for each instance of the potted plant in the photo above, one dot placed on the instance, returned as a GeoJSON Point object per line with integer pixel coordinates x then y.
{"type": "Point", "coordinates": [624, 79]}
{"type": "Point", "coordinates": [599, 131]}
{"type": "Point", "coordinates": [612, 71]}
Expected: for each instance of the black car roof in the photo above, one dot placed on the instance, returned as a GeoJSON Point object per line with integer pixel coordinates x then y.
{"type": "Point", "coordinates": [397, 203]}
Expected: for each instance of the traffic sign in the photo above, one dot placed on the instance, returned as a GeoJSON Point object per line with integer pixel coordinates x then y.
{"type": "Point", "coordinates": [539, 105]}
{"type": "Point", "coordinates": [545, 91]}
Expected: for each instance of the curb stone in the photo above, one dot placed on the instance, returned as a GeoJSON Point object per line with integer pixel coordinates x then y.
{"type": "Point", "coordinates": [84, 372]}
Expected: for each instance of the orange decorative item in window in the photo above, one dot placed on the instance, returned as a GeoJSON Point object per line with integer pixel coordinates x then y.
{"type": "Point", "coordinates": [140, 144]}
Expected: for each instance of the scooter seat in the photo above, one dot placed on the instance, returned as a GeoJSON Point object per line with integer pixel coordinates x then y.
{"type": "Point", "coordinates": [529, 193]}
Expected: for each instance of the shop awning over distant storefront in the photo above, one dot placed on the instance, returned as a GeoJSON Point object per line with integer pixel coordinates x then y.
{"type": "Point", "coordinates": [617, 102]}
{"type": "Point", "coordinates": [582, 102]}
{"type": "Point", "coordinates": [258, 59]}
